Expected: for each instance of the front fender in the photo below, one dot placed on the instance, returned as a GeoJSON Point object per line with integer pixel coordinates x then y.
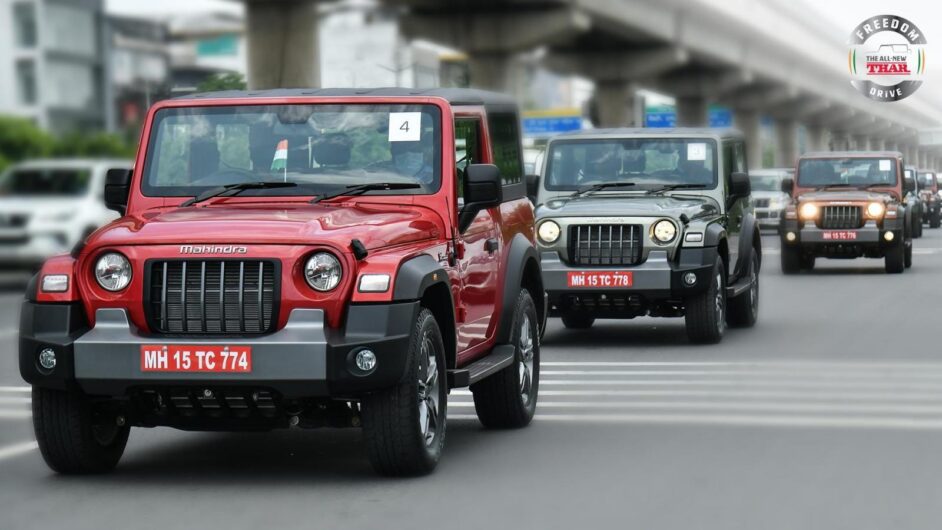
{"type": "Point", "coordinates": [520, 253]}
{"type": "Point", "coordinates": [749, 234]}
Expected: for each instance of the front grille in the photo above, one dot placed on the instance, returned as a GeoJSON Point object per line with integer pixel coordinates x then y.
{"type": "Point", "coordinates": [212, 296]}
{"type": "Point", "coordinates": [762, 203]}
{"type": "Point", "coordinates": [605, 244]}
{"type": "Point", "coordinates": [841, 217]}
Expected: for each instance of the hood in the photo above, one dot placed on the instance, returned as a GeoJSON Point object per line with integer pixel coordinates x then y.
{"type": "Point", "coordinates": [845, 195]}
{"type": "Point", "coordinates": [375, 225]}
{"type": "Point", "coordinates": [620, 205]}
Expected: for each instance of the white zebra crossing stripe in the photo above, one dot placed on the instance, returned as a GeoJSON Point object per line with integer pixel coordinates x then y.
{"type": "Point", "coordinates": [16, 389]}
{"type": "Point", "coordinates": [11, 451]}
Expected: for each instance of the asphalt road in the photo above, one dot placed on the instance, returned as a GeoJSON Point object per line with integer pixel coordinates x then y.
{"type": "Point", "coordinates": [828, 414]}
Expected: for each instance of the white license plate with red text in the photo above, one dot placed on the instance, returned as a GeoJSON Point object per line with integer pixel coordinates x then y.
{"type": "Point", "coordinates": [600, 279]}
{"type": "Point", "coordinates": [196, 358]}
{"type": "Point", "coordinates": [839, 235]}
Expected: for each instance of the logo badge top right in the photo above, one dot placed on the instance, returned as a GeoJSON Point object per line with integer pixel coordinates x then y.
{"type": "Point", "coordinates": [887, 58]}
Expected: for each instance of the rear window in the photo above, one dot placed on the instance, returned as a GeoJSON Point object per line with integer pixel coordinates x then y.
{"type": "Point", "coordinates": [45, 182]}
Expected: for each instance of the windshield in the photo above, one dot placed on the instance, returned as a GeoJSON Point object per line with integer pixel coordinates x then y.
{"type": "Point", "coordinates": [926, 180]}
{"type": "Point", "coordinates": [766, 182]}
{"type": "Point", "coordinates": [45, 182]}
{"type": "Point", "coordinates": [859, 172]}
{"type": "Point", "coordinates": [321, 148]}
{"type": "Point", "coordinates": [647, 162]}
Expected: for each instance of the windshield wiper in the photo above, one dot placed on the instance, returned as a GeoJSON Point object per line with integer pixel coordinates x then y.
{"type": "Point", "coordinates": [597, 187]}
{"type": "Point", "coordinates": [234, 189]}
{"type": "Point", "coordinates": [672, 187]}
{"type": "Point", "coordinates": [360, 189]}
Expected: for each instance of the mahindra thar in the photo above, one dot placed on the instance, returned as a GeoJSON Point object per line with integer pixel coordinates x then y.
{"type": "Point", "coordinates": [296, 258]}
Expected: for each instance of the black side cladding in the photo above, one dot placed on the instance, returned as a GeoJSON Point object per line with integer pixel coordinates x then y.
{"type": "Point", "coordinates": [53, 326]}
{"type": "Point", "coordinates": [521, 250]}
{"type": "Point", "coordinates": [746, 239]}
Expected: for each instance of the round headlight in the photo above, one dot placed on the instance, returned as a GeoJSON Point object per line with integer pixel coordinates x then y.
{"type": "Point", "coordinates": [113, 272]}
{"type": "Point", "coordinates": [548, 232]}
{"type": "Point", "coordinates": [664, 231]}
{"type": "Point", "coordinates": [875, 209]}
{"type": "Point", "coordinates": [808, 211]}
{"type": "Point", "coordinates": [322, 271]}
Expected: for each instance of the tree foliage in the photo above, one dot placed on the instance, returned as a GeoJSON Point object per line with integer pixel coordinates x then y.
{"type": "Point", "coordinates": [21, 139]}
{"type": "Point", "coordinates": [218, 82]}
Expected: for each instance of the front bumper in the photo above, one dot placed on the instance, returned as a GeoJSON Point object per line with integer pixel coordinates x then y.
{"type": "Point", "coordinates": [769, 217]}
{"type": "Point", "coordinates": [656, 279]}
{"type": "Point", "coordinates": [303, 359]}
{"type": "Point", "coordinates": [869, 238]}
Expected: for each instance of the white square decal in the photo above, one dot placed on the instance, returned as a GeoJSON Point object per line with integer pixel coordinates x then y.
{"type": "Point", "coordinates": [405, 126]}
{"type": "Point", "coordinates": [696, 151]}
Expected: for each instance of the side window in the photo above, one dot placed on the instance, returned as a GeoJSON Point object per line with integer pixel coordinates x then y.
{"type": "Point", "coordinates": [505, 144]}
{"type": "Point", "coordinates": [739, 158]}
{"type": "Point", "coordinates": [467, 148]}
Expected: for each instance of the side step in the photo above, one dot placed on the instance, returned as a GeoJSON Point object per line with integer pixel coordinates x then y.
{"type": "Point", "coordinates": [738, 288]}
{"type": "Point", "coordinates": [500, 357]}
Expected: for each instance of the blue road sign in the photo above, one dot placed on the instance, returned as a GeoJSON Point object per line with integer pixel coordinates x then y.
{"type": "Point", "coordinates": [551, 124]}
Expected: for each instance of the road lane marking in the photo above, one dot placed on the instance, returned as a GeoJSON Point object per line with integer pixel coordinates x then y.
{"type": "Point", "coordinates": [24, 389]}
{"type": "Point", "coordinates": [746, 382]}
{"type": "Point", "coordinates": [11, 451]}
{"type": "Point", "coordinates": [772, 364]}
{"type": "Point", "coordinates": [15, 414]}
{"type": "Point", "coordinates": [15, 400]}
{"type": "Point", "coordinates": [4, 333]}
{"type": "Point", "coordinates": [729, 420]}
{"type": "Point", "coordinates": [745, 373]}
{"type": "Point", "coordinates": [803, 395]}
{"type": "Point", "coordinates": [744, 406]}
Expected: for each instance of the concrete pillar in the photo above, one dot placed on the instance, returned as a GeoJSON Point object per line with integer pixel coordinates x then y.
{"type": "Point", "coordinates": [861, 142]}
{"type": "Point", "coordinates": [615, 102]}
{"type": "Point", "coordinates": [691, 111]}
{"type": "Point", "coordinates": [786, 143]}
{"type": "Point", "coordinates": [878, 144]}
{"type": "Point", "coordinates": [887, 145]}
{"type": "Point", "coordinates": [923, 158]}
{"type": "Point", "coordinates": [492, 71]}
{"type": "Point", "coordinates": [911, 154]}
{"type": "Point", "coordinates": [747, 121]}
{"type": "Point", "coordinates": [282, 44]}
{"type": "Point", "coordinates": [817, 140]}
{"type": "Point", "coordinates": [839, 141]}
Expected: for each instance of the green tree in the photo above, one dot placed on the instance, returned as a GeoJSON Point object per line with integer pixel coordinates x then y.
{"type": "Point", "coordinates": [231, 81]}
{"type": "Point", "coordinates": [20, 139]}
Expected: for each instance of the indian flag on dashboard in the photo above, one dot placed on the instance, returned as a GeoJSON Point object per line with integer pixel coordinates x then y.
{"type": "Point", "coordinates": [280, 161]}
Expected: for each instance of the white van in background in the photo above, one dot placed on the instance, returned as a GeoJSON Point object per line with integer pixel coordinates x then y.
{"type": "Point", "coordinates": [48, 206]}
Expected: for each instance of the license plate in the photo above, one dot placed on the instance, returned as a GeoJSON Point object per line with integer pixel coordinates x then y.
{"type": "Point", "coordinates": [840, 235]}
{"type": "Point", "coordinates": [600, 279]}
{"type": "Point", "coordinates": [200, 358]}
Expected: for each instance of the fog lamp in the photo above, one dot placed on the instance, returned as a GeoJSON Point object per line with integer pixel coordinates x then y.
{"type": "Point", "coordinates": [366, 360]}
{"type": "Point", "coordinates": [47, 358]}
{"type": "Point", "coordinates": [690, 278]}
{"type": "Point", "coordinates": [888, 236]}
{"type": "Point", "coordinates": [791, 236]}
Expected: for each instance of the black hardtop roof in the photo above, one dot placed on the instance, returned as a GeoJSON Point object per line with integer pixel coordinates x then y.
{"type": "Point", "coordinates": [455, 96]}
{"type": "Point", "coordinates": [722, 132]}
{"type": "Point", "coordinates": [853, 154]}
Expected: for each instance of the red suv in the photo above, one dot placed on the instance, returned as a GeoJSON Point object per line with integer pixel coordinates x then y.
{"type": "Point", "coordinates": [297, 258]}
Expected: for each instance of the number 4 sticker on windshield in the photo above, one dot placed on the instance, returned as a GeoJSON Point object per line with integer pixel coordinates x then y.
{"type": "Point", "coordinates": [405, 126]}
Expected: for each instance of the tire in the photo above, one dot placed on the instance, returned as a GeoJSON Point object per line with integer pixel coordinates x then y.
{"type": "Point", "coordinates": [935, 219]}
{"type": "Point", "coordinates": [908, 256]}
{"type": "Point", "coordinates": [743, 310]}
{"type": "Point", "coordinates": [507, 399]}
{"type": "Point", "coordinates": [74, 436]}
{"type": "Point", "coordinates": [807, 262]}
{"type": "Point", "coordinates": [578, 321]}
{"type": "Point", "coordinates": [791, 259]}
{"type": "Point", "coordinates": [404, 426]}
{"type": "Point", "coordinates": [895, 258]}
{"type": "Point", "coordinates": [706, 312]}
{"type": "Point", "coordinates": [917, 227]}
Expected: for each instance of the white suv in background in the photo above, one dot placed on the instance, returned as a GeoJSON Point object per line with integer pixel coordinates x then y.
{"type": "Point", "coordinates": [767, 196]}
{"type": "Point", "coordinates": [48, 206]}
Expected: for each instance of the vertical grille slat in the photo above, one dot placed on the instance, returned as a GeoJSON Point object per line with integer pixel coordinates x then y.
{"type": "Point", "coordinates": [597, 244]}
{"type": "Point", "coordinates": [187, 297]}
{"type": "Point", "coordinates": [841, 217]}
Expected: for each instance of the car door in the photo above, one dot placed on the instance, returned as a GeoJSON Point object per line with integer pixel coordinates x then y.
{"type": "Point", "coordinates": [477, 260]}
{"type": "Point", "coordinates": [734, 160]}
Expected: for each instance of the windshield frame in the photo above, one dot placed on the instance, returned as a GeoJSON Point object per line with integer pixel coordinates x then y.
{"type": "Point", "coordinates": [303, 190]}
{"type": "Point", "coordinates": [897, 172]}
{"type": "Point", "coordinates": [638, 186]}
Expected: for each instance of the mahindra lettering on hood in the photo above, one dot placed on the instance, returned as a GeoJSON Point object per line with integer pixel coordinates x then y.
{"type": "Point", "coordinates": [297, 259]}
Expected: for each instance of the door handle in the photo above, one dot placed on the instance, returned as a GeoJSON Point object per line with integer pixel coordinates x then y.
{"type": "Point", "coordinates": [491, 245]}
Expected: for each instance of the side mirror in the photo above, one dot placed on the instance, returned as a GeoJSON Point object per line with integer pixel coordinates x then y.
{"type": "Point", "coordinates": [739, 185]}
{"type": "Point", "coordinates": [909, 185]}
{"type": "Point", "coordinates": [117, 189]}
{"type": "Point", "coordinates": [788, 185]}
{"type": "Point", "coordinates": [482, 190]}
{"type": "Point", "coordinates": [533, 186]}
